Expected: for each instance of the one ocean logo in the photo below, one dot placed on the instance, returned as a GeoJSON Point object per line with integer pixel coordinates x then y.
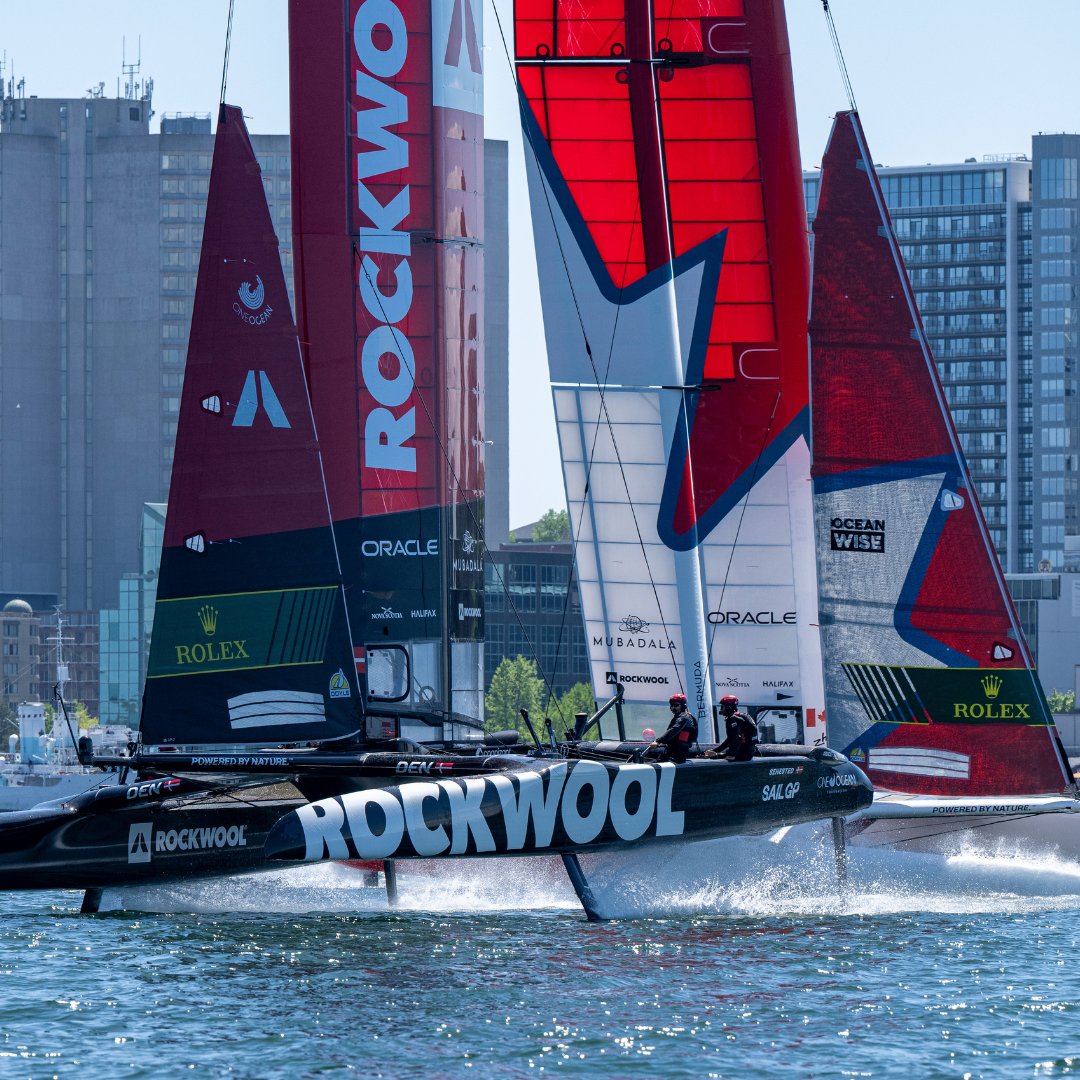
{"type": "Point", "coordinates": [339, 685]}
{"type": "Point", "coordinates": [250, 309]}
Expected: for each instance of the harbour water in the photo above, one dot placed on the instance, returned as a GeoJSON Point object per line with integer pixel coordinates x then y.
{"type": "Point", "coordinates": [745, 962]}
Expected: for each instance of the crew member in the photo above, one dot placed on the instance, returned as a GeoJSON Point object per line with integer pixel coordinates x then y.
{"type": "Point", "coordinates": [741, 732]}
{"type": "Point", "coordinates": [681, 732]}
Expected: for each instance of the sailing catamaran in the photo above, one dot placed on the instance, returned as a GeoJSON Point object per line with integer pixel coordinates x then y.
{"type": "Point", "coordinates": [669, 222]}
{"type": "Point", "coordinates": [930, 686]}
{"type": "Point", "coordinates": [272, 678]}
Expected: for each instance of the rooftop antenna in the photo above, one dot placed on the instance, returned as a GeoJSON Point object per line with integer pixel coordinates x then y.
{"type": "Point", "coordinates": [131, 84]}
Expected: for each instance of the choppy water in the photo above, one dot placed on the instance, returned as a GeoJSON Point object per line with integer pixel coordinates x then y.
{"type": "Point", "coordinates": [745, 962]}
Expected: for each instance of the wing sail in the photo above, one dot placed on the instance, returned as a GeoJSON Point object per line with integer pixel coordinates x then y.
{"type": "Point", "coordinates": [668, 216]}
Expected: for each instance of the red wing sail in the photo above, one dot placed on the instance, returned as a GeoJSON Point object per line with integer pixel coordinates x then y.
{"type": "Point", "coordinates": [929, 681]}
{"type": "Point", "coordinates": [668, 130]}
{"type": "Point", "coordinates": [387, 137]}
{"type": "Point", "coordinates": [250, 641]}
{"type": "Point", "coordinates": [668, 216]}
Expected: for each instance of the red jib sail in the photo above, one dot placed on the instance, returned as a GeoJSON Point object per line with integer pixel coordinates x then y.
{"type": "Point", "coordinates": [250, 640]}
{"type": "Point", "coordinates": [929, 682]}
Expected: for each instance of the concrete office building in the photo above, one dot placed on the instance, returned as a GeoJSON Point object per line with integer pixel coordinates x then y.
{"type": "Point", "coordinates": [100, 229]}
{"type": "Point", "coordinates": [991, 250]}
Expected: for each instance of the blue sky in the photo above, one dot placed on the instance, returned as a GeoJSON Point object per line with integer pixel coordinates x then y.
{"type": "Point", "coordinates": [935, 80]}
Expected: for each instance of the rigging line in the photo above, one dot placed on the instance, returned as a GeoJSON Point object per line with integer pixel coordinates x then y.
{"type": "Point", "coordinates": [228, 43]}
{"type": "Point", "coordinates": [742, 515]}
{"type": "Point", "coordinates": [592, 360]}
{"type": "Point", "coordinates": [575, 533]}
{"type": "Point", "coordinates": [839, 53]}
{"type": "Point", "coordinates": [456, 482]}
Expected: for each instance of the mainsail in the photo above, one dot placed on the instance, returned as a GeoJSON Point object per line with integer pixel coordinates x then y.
{"type": "Point", "coordinates": [930, 685]}
{"type": "Point", "coordinates": [670, 231]}
{"type": "Point", "coordinates": [387, 138]}
{"type": "Point", "coordinates": [250, 641]}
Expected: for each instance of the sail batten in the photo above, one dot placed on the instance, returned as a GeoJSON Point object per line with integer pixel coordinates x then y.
{"type": "Point", "coordinates": [923, 650]}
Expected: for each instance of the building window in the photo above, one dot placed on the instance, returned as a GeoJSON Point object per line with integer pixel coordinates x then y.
{"type": "Point", "coordinates": [553, 584]}
{"type": "Point", "coordinates": [522, 586]}
{"type": "Point", "coordinates": [11, 629]}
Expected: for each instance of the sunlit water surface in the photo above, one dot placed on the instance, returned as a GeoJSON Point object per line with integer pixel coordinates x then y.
{"type": "Point", "coordinates": [735, 959]}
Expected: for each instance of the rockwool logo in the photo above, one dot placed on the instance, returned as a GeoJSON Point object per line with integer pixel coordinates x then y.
{"type": "Point", "coordinates": [380, 43]}
{"type": "Point", "coordinates": [142, 840]}
{"type": "Point", "coordinates": [139, 842]}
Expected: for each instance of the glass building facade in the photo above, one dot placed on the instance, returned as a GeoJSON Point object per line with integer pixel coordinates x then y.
{"type": "Point", "coordinates": [990, 248]}
{"type": "Point", "coordinates": [532, 609]}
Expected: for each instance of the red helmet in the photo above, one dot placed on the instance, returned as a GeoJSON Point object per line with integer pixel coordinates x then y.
{"type": "Point", "coordinates": [677, 699]}
{"type": "Point", "coordinates": [730, 699]}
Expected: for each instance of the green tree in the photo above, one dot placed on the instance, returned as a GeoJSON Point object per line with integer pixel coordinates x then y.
{"type": "Point", "coordinates": [579, 698]}
{"type": "Point", "coordinates": [83, 717]}
{"type": "Point", "coordinates": [1061, 701]}
{"type": "Point", "coordinates": [514, 686]}
{"type": "Point", "coordinates": [552, 528]}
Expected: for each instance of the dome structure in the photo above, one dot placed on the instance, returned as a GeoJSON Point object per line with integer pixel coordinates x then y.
{"type": "Point", "coordinates": [18, 607]}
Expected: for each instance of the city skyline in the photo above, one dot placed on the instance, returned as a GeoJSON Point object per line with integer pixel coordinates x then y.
{"type": "Point", "coordinates": [923, 98]}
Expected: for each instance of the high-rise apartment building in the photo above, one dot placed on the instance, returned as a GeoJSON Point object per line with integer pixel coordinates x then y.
{"type": "Point", "coordinates": [991, 250]}
{"type": "Point", "coordinates": [100, 230]}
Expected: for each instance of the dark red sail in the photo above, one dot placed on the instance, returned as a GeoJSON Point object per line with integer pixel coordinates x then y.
{"type": "Point", "coordinates": [250, 640]}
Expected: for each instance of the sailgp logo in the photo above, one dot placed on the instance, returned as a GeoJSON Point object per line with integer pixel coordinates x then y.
{"type": "Point", "coordinates": [248, 406]}
{"type": "Point", "coordinates": [250, 309]}
{"type": "Point", "coordinates": [139, 842]}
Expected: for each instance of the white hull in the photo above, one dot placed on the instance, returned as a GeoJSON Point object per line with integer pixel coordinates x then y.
{"type": "Point", "coordinates": [1039, 825]}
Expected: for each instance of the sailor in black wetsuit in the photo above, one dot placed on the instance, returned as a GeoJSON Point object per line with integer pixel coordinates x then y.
{"type": "Point", "coordinates": [741, 732]}
{"type": "Point", "coordinates": [681, 732]}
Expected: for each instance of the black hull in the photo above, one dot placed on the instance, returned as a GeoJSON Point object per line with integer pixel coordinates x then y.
{"type": "Point", "coordinates": [572, 806]}
{"type": "Point", "coordinates": [189, 837]}
{"type": "Point", "coordinates": [168, 829]}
